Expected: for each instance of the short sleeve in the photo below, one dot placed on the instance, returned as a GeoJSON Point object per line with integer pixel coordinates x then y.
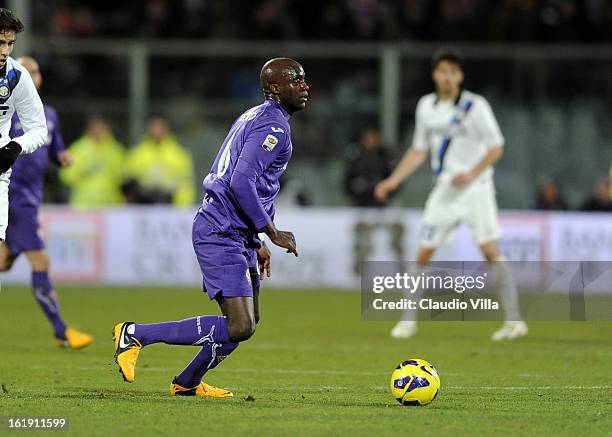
{"type": "Point", "coordinates": [488, 129]}
{"type": "Point", "coordinates": [419, 139]}
{"type": "Point", "coordinates": [261, 147]}
{"type": "Point", "coordinates": [31, 114]}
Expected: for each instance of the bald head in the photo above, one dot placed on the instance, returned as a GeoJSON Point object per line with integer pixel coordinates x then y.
{"type": "Point", "coordinates": [31, 65]}
{"type": "Point", "coordinates": [273, 71]}
{"type": "Point", "coordinates": [283, 80]}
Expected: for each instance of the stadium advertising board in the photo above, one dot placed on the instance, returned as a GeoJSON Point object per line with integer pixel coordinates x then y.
{"type": "Point", "coordinates": [152, 245]}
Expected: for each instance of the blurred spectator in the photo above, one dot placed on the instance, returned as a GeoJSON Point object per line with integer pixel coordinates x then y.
{"type": "Point", "coordinates": [599, 200]}
{"type": "Point", "coordinates": [77, 21]}
{"type": "Point", "coordinates": [511, 20]}
{"type": "Point", "coordinates": [412, 17]}
{"type": "Point", "coordinates": [368, 162]}
{"type": "Point", "coordinates": [270, 20]}
{"type": "Point", "coordinates": [324, 19]}
{"type": "Point", "coordinates": [133, 193]}
{"type": "Point", "coordinates": [515, 20]}
{"type": "Point", "coordinates": [293, 192]}
{"type": "Point", "coordinates": [560, 21]}
{"type": "Point", "coordinates": [95, 176]}
{"type": "Point", "coordinates": [549, 198]}
{"type": "Point", "coordinates": [155, 18]}
{"type": "Point", "coordinates": [161, 167]}
{"type": "Point", "coordinates": [456, 20]}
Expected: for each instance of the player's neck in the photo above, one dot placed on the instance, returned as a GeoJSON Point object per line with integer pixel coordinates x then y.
{"type": "Point", "coordinates": [277, 100]}
{"type": "Point", "coordinates": [449, 96]}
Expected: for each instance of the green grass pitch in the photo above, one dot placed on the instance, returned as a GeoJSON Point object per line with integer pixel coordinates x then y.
{"type": "Point", "coordinates": [312, 368]}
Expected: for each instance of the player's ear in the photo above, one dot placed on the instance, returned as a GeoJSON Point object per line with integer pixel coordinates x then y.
{"type": "Point", "coordinates": [274, 89]}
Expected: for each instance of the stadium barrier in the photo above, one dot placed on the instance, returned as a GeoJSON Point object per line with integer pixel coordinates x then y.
{"type": "Point", "coordinates": [152, 245]}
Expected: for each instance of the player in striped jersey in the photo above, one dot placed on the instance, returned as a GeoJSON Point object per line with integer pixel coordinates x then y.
{"type": "Point", "coordinates": [458, 129]}
{"type": "Point", "coordinates": [24, 232]}
{"type": "Point", "coordinates": [17, 94]}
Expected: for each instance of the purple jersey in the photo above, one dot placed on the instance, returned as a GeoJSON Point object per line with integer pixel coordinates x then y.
{"type": "Point", "coordinates": [244, 179]}
{"type": "Point", "coordinates": [26, 187]}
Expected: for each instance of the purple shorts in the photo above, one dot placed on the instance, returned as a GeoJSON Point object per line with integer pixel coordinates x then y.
{"type": "Point", "coordinates": [23, 231]}
{"type": "Point", "coordinates": [228, 266]}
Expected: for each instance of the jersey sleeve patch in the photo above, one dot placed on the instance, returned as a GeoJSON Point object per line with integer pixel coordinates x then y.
{"type": "Point", "coordinates": [270, 142]}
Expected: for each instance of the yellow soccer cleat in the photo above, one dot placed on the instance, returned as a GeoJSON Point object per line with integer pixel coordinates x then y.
{"type": "Point", "coordinates": [74, 339]}
{"type": "Point", "coordinates": [201, 390]}
{"type": "Point", "coordinates": [127, 349]}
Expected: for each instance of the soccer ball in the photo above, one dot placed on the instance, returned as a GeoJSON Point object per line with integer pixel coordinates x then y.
{"type": "Point", "coordinates": [415, 382]}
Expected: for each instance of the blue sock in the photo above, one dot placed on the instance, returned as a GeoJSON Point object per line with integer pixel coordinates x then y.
{"type": "Point", "coordinates": [195, 331]}
{"type": "Point", "coordinates": [208, 358]}
{"type": "Point", "coordinates": [43, 292]}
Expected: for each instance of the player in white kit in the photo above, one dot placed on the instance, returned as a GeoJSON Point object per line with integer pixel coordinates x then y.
{"type": "Point", "coordinates": [460, 132]}
{"type": "Point", "coordinates": [17, 93]}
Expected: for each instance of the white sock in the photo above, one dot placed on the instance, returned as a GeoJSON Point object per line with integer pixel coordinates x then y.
{"type": "Point", "coordinates": [409, 314]}
{"type": "Point", "coordinates": [506, 287]}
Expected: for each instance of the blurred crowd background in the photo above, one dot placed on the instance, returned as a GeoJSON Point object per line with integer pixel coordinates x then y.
{"type": "Point", "coordinates": [424, 20]}
{"type": "Point", "coordinates": [131, 79]}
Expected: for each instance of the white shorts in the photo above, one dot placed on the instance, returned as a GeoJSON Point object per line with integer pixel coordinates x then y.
{"type": "Point", "coordinates": [447, 207]}
{"type": "Point", "coordinates": [4, 202]}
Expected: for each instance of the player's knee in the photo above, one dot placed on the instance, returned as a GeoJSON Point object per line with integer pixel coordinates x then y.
{"type": "Point", "coordinates": [6, 264]}
{"type": "Point", "coordinates": [241, 330]}
{"type": "Point", "coordinates": [40, 262]}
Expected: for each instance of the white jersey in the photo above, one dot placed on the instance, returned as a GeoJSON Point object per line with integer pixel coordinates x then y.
{"type": "Point", "coordinates": [18, 93]}
{"type": "Point", "coordinates": [458, 134]}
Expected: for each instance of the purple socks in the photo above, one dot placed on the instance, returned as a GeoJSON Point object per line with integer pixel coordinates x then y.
{"type": "Point", "coordinates": [43, 292]}
{"type": "Point", "coordinates": [194, 331]}
{"type": "Point", "coordinates": [208, 358]}
{"type": "Point", "coordinates": [210, 332]}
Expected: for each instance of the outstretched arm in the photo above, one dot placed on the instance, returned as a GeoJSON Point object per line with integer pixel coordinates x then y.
{"type": "Point", "coordinates": [411, 161]}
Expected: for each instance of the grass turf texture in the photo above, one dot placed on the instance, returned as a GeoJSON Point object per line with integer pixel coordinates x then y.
{"type": "Point", "coordinates": [312, 368]}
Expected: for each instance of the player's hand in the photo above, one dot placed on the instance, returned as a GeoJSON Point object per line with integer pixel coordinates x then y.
{"type": "Point", "coordinates": [283, 239]}
{"type": "Point", "coordinates": [286, 240]}
{"type": "Point", "coordinates": [8, 155]}
{"type": "Point", "coordinates": [383, 189]}
{"type": "Point", "coordinates": [462, 179]}
{"type": "Point", "coordinates": [263, 261]}
{"type": "Point", "coordinates": [65, 158]}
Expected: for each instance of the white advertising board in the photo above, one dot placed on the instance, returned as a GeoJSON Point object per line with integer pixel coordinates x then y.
{"type": "Point", "coordinates": [152, 245]}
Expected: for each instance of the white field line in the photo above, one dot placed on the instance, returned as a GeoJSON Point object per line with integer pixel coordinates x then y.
{"type": "Point", "coordinates": [361, 373]}
{"type": "Point", "coordinates": [246, 370]}
{"type": "Point", "coordinates": [517, 387]}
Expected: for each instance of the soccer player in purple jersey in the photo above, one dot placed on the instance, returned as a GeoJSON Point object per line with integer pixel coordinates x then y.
{"type": "Point", "coordinates": [23, 232]}
{"type": "Point", "coordinates": [238, 204]}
